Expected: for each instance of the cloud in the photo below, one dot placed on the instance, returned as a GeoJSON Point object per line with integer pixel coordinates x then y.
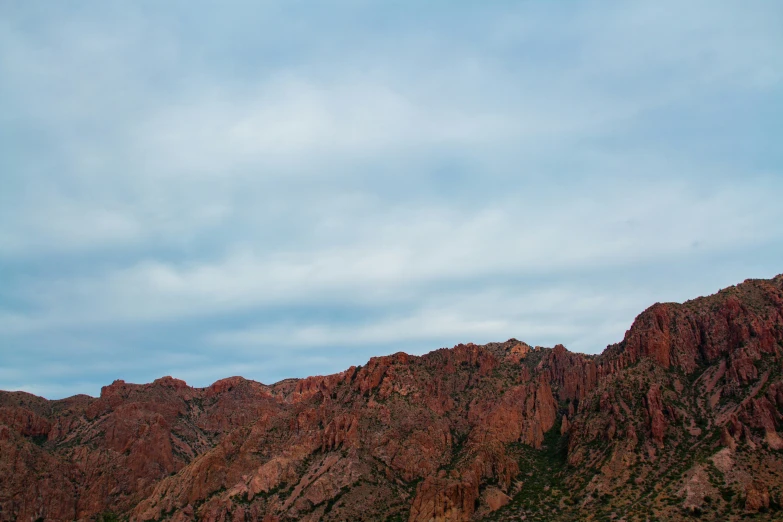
{"type": "Point", "coordinates": [398, 254]}
{"type": "Point", "coordinates": [349, 180]}
{"type": "Point", "coordinates": [535, 313]}
{"type": "Point", "coordinates": [294, 124]}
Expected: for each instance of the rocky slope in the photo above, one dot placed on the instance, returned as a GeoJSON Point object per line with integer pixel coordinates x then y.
{"type": "Point", "coordinates": [680, 419]}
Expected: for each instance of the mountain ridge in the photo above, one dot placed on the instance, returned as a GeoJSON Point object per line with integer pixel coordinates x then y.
{"type": "Point", "coordinates": [498, 431]}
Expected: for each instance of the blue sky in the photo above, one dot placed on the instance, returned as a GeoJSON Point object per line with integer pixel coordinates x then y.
{"type": "Point", "coordinates": [284, 189]}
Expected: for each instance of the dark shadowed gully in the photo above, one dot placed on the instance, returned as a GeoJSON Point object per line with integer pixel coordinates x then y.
{"type": "Point", "coordinates": [681, 419]}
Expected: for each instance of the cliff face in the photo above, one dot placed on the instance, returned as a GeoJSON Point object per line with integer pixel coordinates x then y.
{"type": "Point", "coordinates": [681, 418]}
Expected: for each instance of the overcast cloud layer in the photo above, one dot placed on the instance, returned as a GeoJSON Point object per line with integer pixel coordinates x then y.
{"type": "Point", "coordinates": [284, 189]}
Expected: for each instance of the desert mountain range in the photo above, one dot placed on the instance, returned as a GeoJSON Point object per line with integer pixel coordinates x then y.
{"type": "Point", "coordinates": [683, 418]}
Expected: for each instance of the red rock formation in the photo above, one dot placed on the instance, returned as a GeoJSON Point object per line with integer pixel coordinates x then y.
{"type": "Point", "coordinates": [655, 411]}
{"type": "Point", "coordinates": [756, 496]}
{"type": "Point", "coordinates": [746, 316]}
{"type": "Point", "coordinates": [25, 422]}
{"type": "Point", "coordinates": [452, 435]}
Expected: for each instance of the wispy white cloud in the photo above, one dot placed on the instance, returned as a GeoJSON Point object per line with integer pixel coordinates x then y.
{"type": "Point", "coordinates": [397, 255]}
{"type": "Point", "coordinates": [161, 174]}
{"type": "Point", "coordinates": [481, 316]}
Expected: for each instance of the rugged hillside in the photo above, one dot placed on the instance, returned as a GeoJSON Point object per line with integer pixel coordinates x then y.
{"type": "Point", "coordinates": [680, 419]}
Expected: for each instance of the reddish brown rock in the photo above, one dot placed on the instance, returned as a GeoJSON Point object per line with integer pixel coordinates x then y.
{"type": "Point", "coordinates": [25, 422]}
{"type": "Point", "coordinates": [494, 498]}
{"type": "Point", "coordinates": [756, 496]}
{"type": "Point", "coordinates": [445, 498]}
{"type": "Point", "coordinates": [564, 425]}
{"type": "Point", "coordinates": [452, 435]}
{"type": "Point", "coordinates": [655, 411]}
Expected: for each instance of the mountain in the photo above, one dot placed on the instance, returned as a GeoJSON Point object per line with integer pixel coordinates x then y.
{"type": "Point", "coordinates": [679, 420]}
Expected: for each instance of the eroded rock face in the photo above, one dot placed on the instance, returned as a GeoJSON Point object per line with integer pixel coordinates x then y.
{"type": "Point", "coordinates": [458, 434]}
{"type": "Point", "coordinates": [756, 496]}
{"type": "Point", "coordinates": [741, 322]}
{"type": "Point", "coordinates": [655, 410]}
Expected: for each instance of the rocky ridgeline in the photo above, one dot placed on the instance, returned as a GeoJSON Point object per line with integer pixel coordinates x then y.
{"type": "Point", "coordinates": [680, 419]}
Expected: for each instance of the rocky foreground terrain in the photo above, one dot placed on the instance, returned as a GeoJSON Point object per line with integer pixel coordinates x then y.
{"type": "Point", "coordinates": [682, 419]}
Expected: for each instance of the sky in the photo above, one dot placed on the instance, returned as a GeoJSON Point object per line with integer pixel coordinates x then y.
{"type": "Point", "coordinates": [283, 189]}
